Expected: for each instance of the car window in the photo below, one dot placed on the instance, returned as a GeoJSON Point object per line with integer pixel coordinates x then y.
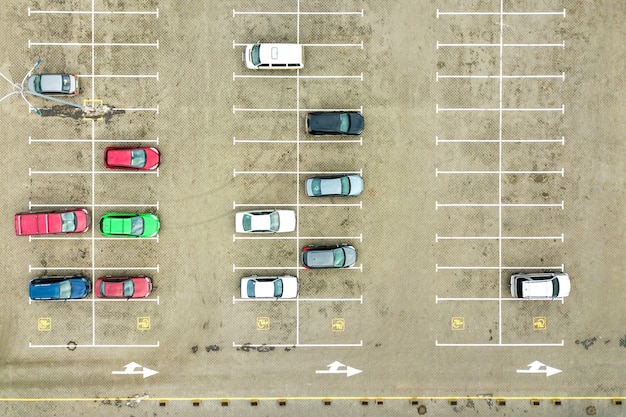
{"type": "Point", "coordinates": [274, 222]}
{"type": "Point", "coordinates": [129, 288]}
{"type": "Point", "coordinates": [278, 288]}
{"type": "Point", "coordinates": [136, 226]}
{"type": "Point", "coordinates": [250, 288]}
{"type": "Point", "coordinates": [339, 258]}
{"type": "Point", "coordinates": [68, 222]}
{"type": "Point", "coordinates": [38, 83]}
{"type": "Point", "coordinates": [138, 158]}
{"type": "Point", "coordinates": [247, 222]}
{"type": "Point", "coordinates": [65, 83]}
{"type": "Point", "coordinates": [256, 60]}
{"type": "Point", "coordinates": [344, 122]}
{"type": "Point", "coordinates": [555, 287]}
{"type": "Point", "coordinates": [65, 289]}
{"type": "Point", "coordinates": [345, 185]}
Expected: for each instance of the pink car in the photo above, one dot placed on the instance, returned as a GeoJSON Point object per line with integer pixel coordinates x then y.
{"type": "Point", "coordinates": [131, 158]}
{"type": "Point", "coordinates": [48, 223]}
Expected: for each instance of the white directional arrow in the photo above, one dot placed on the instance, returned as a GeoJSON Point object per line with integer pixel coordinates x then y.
{"type": "Point", "coordinates": [130, 369]}
{"type": "Point", "coordinates": [333, 368]}
{"type": "Point", "coordinates": [535, 368]}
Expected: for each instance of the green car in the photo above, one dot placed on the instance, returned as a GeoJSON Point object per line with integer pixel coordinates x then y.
{"type": "Point", "coordinates": [130, 225]}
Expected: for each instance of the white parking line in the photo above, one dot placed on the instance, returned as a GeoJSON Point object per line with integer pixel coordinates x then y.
{"type": "Point", "coordinates": [360, 237]}
{"type": "Point", "coordinates": [289, 345]}
{"type": "Point", "coordinates": [437, 299]}
{"type": "Point", "coordinates": [438, 204]}
{"type": "Point", "coordinates": [561, 76]}
{"type": "Point", "coordinates": [93, 268]}
{"type": "Point", "coordinates": [95, 346]}
{"type": "Point", "coordinates": [92, 44]}
{"type": "Point", "coordinates": [93, 12]}
{"type": "Point", "coordinates": [359, 205]}
{"type": "Point", "coordinates": [561, 141]}
{"type": "Point", "coordinates": [242, 109]}
{"type": "Point", "coordinates": [499, 344]}
{"type": "Point", "coordinates": [92, 238]}
{"type": "Point", "coordinates": [154, 109]}
{"type": "Point", "coordinates": [287, 300]}
{"type": "Point", "coordinates": [499, 237]}
{"type": "Point", "coordinates": [517, 268]}
{"type": "Point", "coordinates": [500, 13]}
{"type": "Point", "coordinates": [310, 77]}
{"type": "Point", "coordinates": [235, 13]}
{"type": "Point", "coordinates": [561, 172]}
{"type": "Point", "coordinates": [235, 172]}
{"type": "Point", "coordinates": [291, 268]}
{"type": "Point", "coordinates": [500, 109]}
{"type": "Point", "coordinates": [31, 205]}
{"type": "Point", "coordinates": [155, 76]}
{"type": "Point", "coordinates": [348, 45]}
{"type": "Point", "coordinates": [499, 45]}
{"type": "Point", "coordinates": [68, 140]}
{"type": "Point", "coordinates": [112, 172]}
{"type": "Point", "coordinates": [312, 141]}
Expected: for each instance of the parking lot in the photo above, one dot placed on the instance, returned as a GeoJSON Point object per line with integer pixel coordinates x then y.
{"type": "Point", "coordinates": [491, 145]}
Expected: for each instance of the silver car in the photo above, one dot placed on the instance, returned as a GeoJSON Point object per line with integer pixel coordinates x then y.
{"type": "Point", "coordinates": [337, 256]}
{"type": "Point", "coordinates": [285, 286]}
{"type": "Point", "coordinates": [340, 185]}
{"type": "Point", "coordinates": [540, 285]}
{"type": "Point", "coordinates": [53, 84]}
{"type": "Point", "coordinates": [265, 221]}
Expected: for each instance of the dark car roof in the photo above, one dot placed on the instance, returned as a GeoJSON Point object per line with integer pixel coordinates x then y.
{"type": "Point", "coordinates": [330, 122]}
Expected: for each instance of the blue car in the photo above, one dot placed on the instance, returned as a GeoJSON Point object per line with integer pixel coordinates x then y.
{"type": "Point", "coordinates": [59, 288]}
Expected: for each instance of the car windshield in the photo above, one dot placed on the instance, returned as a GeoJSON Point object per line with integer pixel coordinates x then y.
{"type": "Point", "coordinates": [68, 222]}
{"type": "Point", "coordinates": [555, 287]}
{"type": "Point", "coordinates": [247, 222]}
{"type": "Point", "coordinates": [65, 289]}
{"type": "Point", "coordinates": [254, 54]}
{"type": "Point", "coordinates": [345, 185]}
{"type": "Point", "coordinates": [138, 158]}
{"type": "Point", "coordinates": [339, 258]}
{"type": "Point", "coordinates": [38, 83]}
{"type": "Point", "coordinates": [250, 288]}
{"type": "Point", "coordinates": [274, 222]}
{"type": "Point", "coordinates": [344, 122]}
{"type": "Point", "coordinates": [278, 288]}
{"type": "Point", "coordinates": [129, 288]}
{"type": "Point", "coordinates": [65, 83]}
{"type": "Point", "coordinates": [136, 226]}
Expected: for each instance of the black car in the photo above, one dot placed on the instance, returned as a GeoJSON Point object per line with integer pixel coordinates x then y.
{"type": "Point", "coordinates": [334, 123]}
{"type": "Point", "coordinates": [337, 256]}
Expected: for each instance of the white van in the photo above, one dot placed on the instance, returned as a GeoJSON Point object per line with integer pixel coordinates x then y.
{"type": "Point", "coordinates": [273, 56]}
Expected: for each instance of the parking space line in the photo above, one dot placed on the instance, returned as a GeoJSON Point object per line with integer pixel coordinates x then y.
{"type": "Point", "coordinates": [561, 76]}
{"type": "Point", "coordinates": [499, 344]}
{"type": "Point", "coordinates": [93, 268]}
{"type": "Point", "coordinates": [31, 345]}
{"type": "Point", "coordinates": [292, 268]}
{"type": "Point", "coordinates": [32, 172]}
{"type": "Point", "coordinates": [500, 172]}
{"type": "Point", "coordinates": [101, 300]}
{"type": "Point", "coordinates": [235, 172]}
{"type": "Point", "coordinates": [288, 300]}
{"type": "Point", "coordinates": [516, 268]}
{"type": "Point", "coordinates": [439, 13]}
{"type": "Point", "coordinates": [310, 77]}
{"type": "Point", "coordinates": [289, 345]}
{"type": "Point", "coordinates": [499, 237]}
{"type": "Point", "coordinates": [438, 141]}
{"type": "Point", "coordinates": [498, 109]}
{"type": "Point", "coordinates": [437, 299]}
{"type": "Point", "coordinates": [235, 237]}
{"type": "Point", "coordinates": [348, 45]}
{"type": "Point", "coordinates": [31, 205]}
{"type": "Point", "coordinates": [67, 140]}
{"type": "Point", "coordinates": [438, 204]}
{"type": "Point", "coordinates": [359, 141]}
{"type": "Point", "coordinates": [154, 109]}
{"type": "Point", "coordinates": [93, 12]}
{"type": "Point", "coordinates": [235, 13]}
{"type": "Point", "coordinates": [155, 76]}
{"type": "Point", "coordinates": [298, 109]}
{"type": "Point", "coordinates": [31, 43]}
{"type": "Point", "coordinates": [359, 205]}
{"type": "Point", "coordinates": [499, 45]}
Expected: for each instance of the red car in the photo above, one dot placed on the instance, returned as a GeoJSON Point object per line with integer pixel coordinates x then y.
{"type": "Point", "coordinates": [48, 223]}
{"type": "Point", "coordinates": [123, 287]}
{"type": "Point", "coordinates": [142, 158]}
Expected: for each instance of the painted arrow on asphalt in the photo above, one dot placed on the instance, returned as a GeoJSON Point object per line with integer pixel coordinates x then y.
{"type": "Point", "coordinates": [130, 369]}
{"type": "Point", "coordinates": [535, 368]}
{"type": "Point", "coordinates": [333, 368]}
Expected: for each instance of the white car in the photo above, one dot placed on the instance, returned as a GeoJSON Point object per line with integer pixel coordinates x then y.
{"type": "Point", "coordinates": [540, 285]}
{"type": "Point", "coordinates": [53, 84]}
{"type": "Point", "coordinates": [264, 221]}
{"type": "Point", "coordinates": [285, 286]}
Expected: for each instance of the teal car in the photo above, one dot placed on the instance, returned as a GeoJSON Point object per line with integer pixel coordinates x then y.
{"type": "Point", "coordinates": [130, 225]}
